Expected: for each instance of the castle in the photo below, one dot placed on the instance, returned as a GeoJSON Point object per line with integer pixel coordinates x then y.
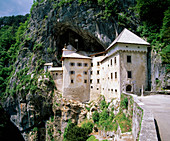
{"type": "Point", "coordinates": [122, 67]}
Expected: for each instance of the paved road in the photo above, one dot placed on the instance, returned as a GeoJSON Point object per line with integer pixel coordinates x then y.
{"type": "Point", "coordinates": [160, 106]}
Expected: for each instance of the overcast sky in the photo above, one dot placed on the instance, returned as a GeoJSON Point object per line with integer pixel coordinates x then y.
{"type": "Point", "coordinates": [14, 7]}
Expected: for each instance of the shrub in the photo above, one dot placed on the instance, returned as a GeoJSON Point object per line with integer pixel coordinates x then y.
{"type": "Point", "coordinates": [124, 102]}
{"type": "Point", "coordinates": [103, 105]}
{"type": "Point", "coordinates": [35, 129]}
{"type": "Point", "coordinates": [88, 126]}
{"type": "Point", "coordinates": [103, 115]}
{"type": "Point", "coordinates": [95, 117]}
{"type": "Point", "coordinates": [75, 133]}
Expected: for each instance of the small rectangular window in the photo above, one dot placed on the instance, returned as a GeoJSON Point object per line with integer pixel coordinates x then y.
{"type": "Point", "coordinates": [97, 88]}
{"type": "Point", "coordinates": [72, 81]}
{"type": "Point", "coordinates": [91, 87]}
{"type": "Point", "coordinates": [115, 75]}
{"type": "Point", "coordinates": [91, 64]}
{"type": "Point", "coordinates": [112, 90]}
{"type": "Point", "coordinates": [72, 72]}
{"type": "Point", "coordinates": [91, 81]}
{"type": "Point", "coordinates": [72, 64]}
{"type": "Point", "coordinates": [129, 73]}
{"type": "Point", "coordinates": [56, 74]}
{"type": "Point", "coordinates": [85, 72]}
{"type": "Point", "coordinates": [115, 60]}
{"type": "Point", "coordinates": [98, 81]}
{"type": "Point", "coordinates": [98, 63]}
{"type": "Point", "coordinates": [108, 89]}
{"type": "Point", "coordinates": [85, 81]}
{"type": "Point", "coordinates": [111, 75]}
{"type": "Point", "coordinates": [98, 72]}
{"type": "Point", "coordinates": [128, 59]}
{"type": "Point", "coordinates": [85, 64]}
{"type": "Point", "coordinates": [91, 72]}
{"type": "Point", "coordinates": [116, 90]}
{"type": "Point", "coordinates": [111, 62]}
{"type": "Point", "coordinates": [79, 64]}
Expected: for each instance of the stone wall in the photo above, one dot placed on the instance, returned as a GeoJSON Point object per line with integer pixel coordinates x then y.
{"type": "Point", "coordinates": [143, 126]}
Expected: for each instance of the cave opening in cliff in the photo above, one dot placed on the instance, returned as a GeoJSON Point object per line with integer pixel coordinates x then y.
{"type": "Point", "coordinates": [79, 39]}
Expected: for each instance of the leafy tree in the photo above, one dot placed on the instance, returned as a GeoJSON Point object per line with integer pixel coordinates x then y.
{"type": "Point", "coordinates": [75, 133]}
{"type": "Point", "coordinates": [10, 39]}
{"type": "Point", "coordinates": [152, 11]}
{"type": "Point", "coordinates": [155, 25]}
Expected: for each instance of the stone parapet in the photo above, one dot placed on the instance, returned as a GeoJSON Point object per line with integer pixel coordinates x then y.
{"type": "Point", "coordinates": [143, 125]}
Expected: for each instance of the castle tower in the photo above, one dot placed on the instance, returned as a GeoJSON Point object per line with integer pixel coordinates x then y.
{"type": "Point", "coordinates": [76, 74]}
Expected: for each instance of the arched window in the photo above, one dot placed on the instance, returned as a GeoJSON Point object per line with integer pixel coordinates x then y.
{"type": "Point", "coordinates": [128, 88]}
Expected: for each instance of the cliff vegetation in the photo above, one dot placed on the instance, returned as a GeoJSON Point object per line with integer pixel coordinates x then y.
{"type": "Point", "coordinates": [28, 93]}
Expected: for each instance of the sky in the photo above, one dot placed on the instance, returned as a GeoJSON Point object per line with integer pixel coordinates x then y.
{"type": "Point", "coordinates": [15, 7]}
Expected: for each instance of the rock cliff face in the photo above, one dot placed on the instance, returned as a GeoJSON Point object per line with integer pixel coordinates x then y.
{"type": "Point", "coordinates": [55, 26]}
{"type": "Point", "coordinates": [160, 75]}
{"type": "Point", "coordinates": [31, 102]}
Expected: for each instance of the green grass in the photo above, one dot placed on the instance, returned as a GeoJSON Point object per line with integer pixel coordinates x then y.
{"type": "Point", "coordinates": [125, 123]}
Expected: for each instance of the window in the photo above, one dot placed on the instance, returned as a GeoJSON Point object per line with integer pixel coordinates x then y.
{"type": "Point", "coordinates": [115, 75]}
{"type": "Point", "coordinates": [111, 75]}
{"type": "Point", "coordinates": [56, 74]}
{"type": "Point", "coordinates": [108, 89]}
{"type": "Point", "coordinates": [91, 64]}
{"type": "Point", "coordinates": [116, 90]}
{"type": "Point", "coordinates": [98, 81]}
{"type": "Point", "coordinates": [115, 60]}
{"type": "Point", "coordinates": [91, 87]}
{"type": "Point", "coordinates": [85, 72]}
{"type": "Point", "coordinates": [97, 88]}
{"type": "Point", "coordinates": [91, 81]}
{"type": "Point", "coordinates": [112, 90]}
{"type": "Point", "coordinates": [129, 73]}
{"type": "Point", "coordinates": [72, 72]}
{"type": "Point", "coordinates": [111, 62]}
{"type": "Point", "coordinates": [98, 72]}
{"type": "Point", "coordinates": [127, 46]}
{"type": "Point", "coordinates": [85, 64]}
{"type": "Point", "coordinates": [85, 81]}
{"type": "Point", "coordinates": [128, 59]}
{"type": "Point", "coordinates": [79, 64]}
{"type": "Point", "coordinates": [98, 63]}
{"type": "Point", "coordinates": [72, 81]}
{"type": "Point", "coordinates": [72, 64]}
{"type": "Point", "coordinates": [103, 88]}
{"type": "Point", "coordinates": [138, 47]}
{"type": "Point", "coordinates": [91, 72]}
